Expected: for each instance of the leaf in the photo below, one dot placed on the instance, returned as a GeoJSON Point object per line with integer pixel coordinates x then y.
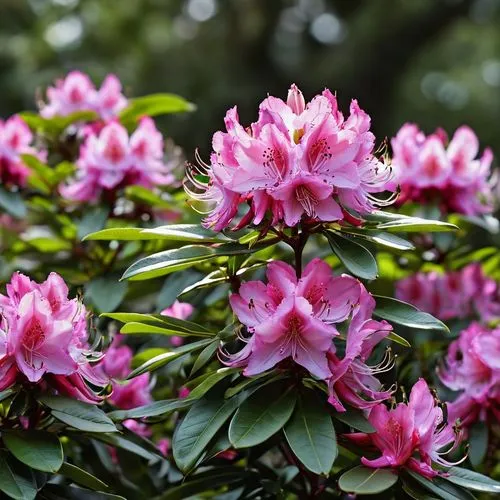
{"type": "Point", "coordinates": [57, 124]}
{"type": "Point", "coordinates": [130, 442]}
{"type": "Point", "coordinates": [311, 435]}
{"type": "Point", "coordinates": [155, 409]}
{"type": "Point", "coordinates": [212, 380]}
{"type": "Point", "coordinates": [402, 223]}
{"type": "Point", "coordinates": [354, 418]}
{"type": "Point", "coordinates": [366, 481]}
{"type": "Point", "coordinates": [37, 449]}
{"type": "Point", "coordinates": [398, 339]}
{"type": "Point", "coordinates": [138, 328]}
{"type": "Point", "coordinates": [355, 257]}
{"type": "Point", "coordinates": [478, 443]}
{"type": "Point", "coordinates": [106, 292]}
{"type": "Point", "coordinates": [59, 492]}
{"type": "Point", "coordinates": [397, 311]}
{"type": "Point", "coordinates": [13, 203]}
{"type": "Point", "coordinates": [443, 489]}
{"type": "Point", "coordinates": [198, 428]}
{"type": "Point", "coordinates": [167, 357]}
{"type": "Point", "coordinates": [120, 234]}
{"type": "Point", "coordinates": [380, 238]}
{"type": "Point", "coordinates": [93, 220]}
{"type": "Point", "coordinates": [81, 477]}
{"type": "Point", "coordinates": [472, 480]}
{"type": "Point", "coordinates": [187, 232]}
{"type": "Point", "coordinates": [81, 416]}
{"type": "Point", "coordinates": [154, 105]}
{"type": "Point", "coordinates": [262, 415]}
{"type": "Point", "coordinates": [205, 356]}
{"type": "Point", "coordinates": [169, 261]}
{"type": "Point", "coordinates": [16, 481]}
{"type": "Point", "coordinates": [49, 245]}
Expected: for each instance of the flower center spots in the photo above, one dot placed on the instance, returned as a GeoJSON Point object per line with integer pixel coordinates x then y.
{"type": "Point", "coordinates": [315, 293]}
{"type": "Point", "coordinates": [432, 167]}
{"type": "Point", "coordinates": [319, 154]}
{"type": "Point", "coordinates": [15, 141]}
{"type": "Point", "coordinates": [307, 199]}
{"type": "Point", "coordinates": [114, 151]}
{"type": "Point", "coordinates": [33, 336]}
{"type": "Point", "coordinates": [394, 427]}
{"type": "Point", "coordinates": [275, 162]}
{"type": "Point", "coordinates": [55, 304]}
{"type": "Point", "coordinates": [75, 95]}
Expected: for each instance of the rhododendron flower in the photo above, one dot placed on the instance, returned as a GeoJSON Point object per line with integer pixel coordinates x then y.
{"type": "Point", "coordinates": [412, 435]}
{"type": "Point", "coordinates": [430, 170]}
{"type": "Point", "coordinates": [179, 310]}
{"type": "Point", "coordinates": [297, 161]}
{"type": "Point", "coordinates": [111, 160]}
{"type": "Point", "coordinates": [472, 366]}
{"type": "Point", "coordinates": [292, 317]}
{"type": "Point", "coordinates": [76, 92]}
{"type": "Point", "coordinates": [455, 294]}
{"type": "Point", "coordinates": [352, 380]}
{"type": "Point", "coordinates": [15, 140]}
{"type": "Point", "coordinates": [44, 338]}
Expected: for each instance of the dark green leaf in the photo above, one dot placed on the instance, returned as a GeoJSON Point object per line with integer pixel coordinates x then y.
{"type": "Point", "coordinates": [188, 233]}
{"type": "Point", "coordinates": [355, 257]}
{"type": "Point", "coordinates": [155, 409]}
{"type": "Point", "coordinates": [81, 416]}
{"type": "Point", "coordinates": [211, 380]}
{"type": "Point", "coordinates": [205, 356]}
{"type": "Point", "coordinates": [132, 443]}
{"type": "Point", "coordinates": [402, 223]}
{"type": "Point", "coordinates": [478, 443]}
{"type": "Point", "coordinates": [366, 481]}
{"type": "Point", "coordinates": [106, 292]}
{"type": "Point", "coordinates": [16, 480]}
{"type": "Point", "coordinates": [311, 435]}
{"type": "Point", "coordinates": [397, 311]}
{"type": "Point", "coordinates": [13, 203]}
{"type": "Point", "coordinates": [380, 238]}
{"type": "Point", "coordinates": [82, 477]}
{"type": "Point", "coordinates": [441, 488]}
{"type": "Point", "coordinates": [93, 220]}
{"type": "Point", "coordinates": [262, 415]}
{"type": "Point", "coordinates": [355, 419]}
{"type": "Point", "coordinates": [37, 449]}
{"type": "Point", "coordinates": [472, 480]}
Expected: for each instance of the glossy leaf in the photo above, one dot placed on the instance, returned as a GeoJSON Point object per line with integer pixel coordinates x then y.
{"type": "Point", "coordinates": [16, 480]}
{"type": "Point", "coordinates": [441, 488]}
{"type": "Point", "coordinates": [138, 328]}
{"type": "Point", "coordinates": [106, 292]}
{"type": "Point", "coordinates": [82, 477]}
{"type": "Point", "coordinates": [188, 233]}
{"type": "Point", "coordinates": [402, 223]}
{"type": "Point", "coordinates": [472, 480]}
{"type": "Point", "coordinates": [120, 234]}
{"type": "Point", "coordinates": [354, 418]}
{"type": "Point", "coordinates": [367, 481]}
{"type": "Point", "coordinates": [155, 409]}
{"type": "Point", "coordinates": [478, 443]}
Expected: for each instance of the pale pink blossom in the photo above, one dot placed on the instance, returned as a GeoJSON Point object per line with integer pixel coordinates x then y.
{"type": "Point", "coordinates": [76, 92]}
{"type": "Point", "coordinates": [43, 337]}
{"type": "Point", "coordinates": [179, 310]}
{"type": "Point", "coordinates": [413, 435]}
{"type": "Point", "coordinates": [292, 318]}
{"type": "Point", "coordinates": [450, 175]}
{"type": "Point", "coordinates": [15, 140]}
{"type": "Point", "coordinates": [111, 160]}
{"type": "Point", "coordinates": [298, 161]}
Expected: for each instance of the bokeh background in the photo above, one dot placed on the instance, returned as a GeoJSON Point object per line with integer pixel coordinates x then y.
{"type": "Point", "coordinates": [435, 62]}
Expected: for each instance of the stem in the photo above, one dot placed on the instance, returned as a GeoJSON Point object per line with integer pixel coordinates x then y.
{"type": "Point", "coordinates": [298, 248]}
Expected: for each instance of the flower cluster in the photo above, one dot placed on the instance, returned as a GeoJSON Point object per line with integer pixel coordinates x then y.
{"type": "Point", "coordinates": [15, 140]}
{"type": "Point", "coordinates": [43, 339]}
{"type": "Point", "coordinates": [76, 92]}
{"type": "Point", "coordinates": [110, 160]}
{"type": "Point", "coordinates": [410, 435]}
{"type": "Point", "coordinates": [296, 161]}
{"type": "Point", "coordinates": [295, 318]}
{"type": "Point", "coordinates": [472, 366]}
{"type": "Point", "coordinates": [455, 294]}
{"type": "Point", "coordinates": [431, 171]}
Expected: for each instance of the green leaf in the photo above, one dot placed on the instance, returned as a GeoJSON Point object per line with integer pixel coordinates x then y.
{"type": "Point", "coordinates": [212, 380]}
{"type": "Point", "coordinates": [60, 492]}
{"type": "Point", "coordinates": [262, 415]}
{"type": "Point", "coordinates": [143, 356]}
{"type": "Point", "coordinates": [397, 311]}
{"type": "Point", "coordinates": [57, 124]}
{"type": "Point", "coordinates": [167, 357]}
{"type": "Point", "coordinates": [416, 491]}
{"type": "Point", "coordinates": [82, 477]}
{"type": "Point", "coordinates": [205, 356]}
{"type": "Point", "coordinates": [169, 261]}
{"type": "Point", "coordinates": [311, 435]}
{"type": "Point", "coordinates": [154, 105]}
{"type": "Point", "coordinates": [443, 489]}
{"type": "Point", "coordinates": [93, 220]}
{"type": "Point", "coordinates": [13, 203]}
{"type": "Point", "coordinates": [49, 245]}
{"type": "Point", "coordinates": [106, 292]}
{"type": "Point", "coordinates": [366, 481]}
{"type": "Point", "coordinates": [143, 195]}
{"type": "Point", "coordinates": [155, 409]}
{"type": "Point", "coordinates": [16, 481]}
{"type": "Point", "coordinates": [354, 418]}
{"type": "Point", "coordinates": [472, 480]}
{"type": "Point", "coordinates": [355, 257]}
{"type": "Point", "coordinates": [120, 234]}
{"type": "Point", "coordinates": [398, 339]}
{"type": "Point", "coordinates": [198, 428]}
{"type": "Point", "coordinates": [137, 328]}
{"type": "Point", "coordinates": [402, 223]}
{"type": "Point", "coordinates": [478, 443]}
{"type": "Point", "coordinates": [81, 416]}
{"type": "Point", "coordinates": [380, 238]}
{"type": "Point", "coordinates": [130, 442]}
{"type": "Point", "coordinates": [188, 233]}
{"type": "Point", "coordinates": [37, 449]}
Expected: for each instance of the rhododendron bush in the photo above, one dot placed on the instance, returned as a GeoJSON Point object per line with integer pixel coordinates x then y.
{"type": "Point", "coordinates": [327, 327]}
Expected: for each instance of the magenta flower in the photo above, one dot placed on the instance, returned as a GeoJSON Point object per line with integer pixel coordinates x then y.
{"type": "Point", "coordinates": [43, 337]}
{"type": "Point", "coordinates": [412, 435]}
{"type": "Point", "coordinates": [76, 92]}
{"type": "Point", "coordinates": [15, 140]}
{"type": "Point", "coordinates": [431, 171]}
{"type": "Point", "coordinates": [112, 160]}
{"type": "Point", "coordinates": [472, 367]}
{"type": "Point", "coordinates": [297, 161]}
{"type": "Point", "coordinates": [353, 380]}
{"type": "Point", "coordinates": [290, 318]}
{"type": "Point", "coordinates": [179, 310]}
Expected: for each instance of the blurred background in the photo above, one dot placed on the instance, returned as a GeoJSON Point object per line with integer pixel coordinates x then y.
{"type": "Point", "coordinates": [435, 62]}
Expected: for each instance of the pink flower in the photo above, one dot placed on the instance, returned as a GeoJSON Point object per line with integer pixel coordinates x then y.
{"type": "Point", "coordinates": [352, 379]}
{"type": "Point", "coordinates": [133, 393]}
{"type": "Point", "coordinates": [472, 366]}
{"type": "Point", "coordinates": [43, 337]}
{"type": "Point", "coordinates": [297, 161]}
{"type": "Point", "coordinates": [292, 318]}
{"type": "Point", "coordinates": [15, 140]}
{"type": "Point", "coordinates": [184, 392]}
{"type": "Point", "coordinates": [411, 435]}
{"type": "Point", "coordinates": [179, 310]}
{"type": "Point", "coordinates": [164, 446]}
{"type": "Point", "coordinates": [76, 92]}
{"type": "Point", "coordinates": [429, 171]}
{"type": "Point", "coordinates": [111, 160]}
